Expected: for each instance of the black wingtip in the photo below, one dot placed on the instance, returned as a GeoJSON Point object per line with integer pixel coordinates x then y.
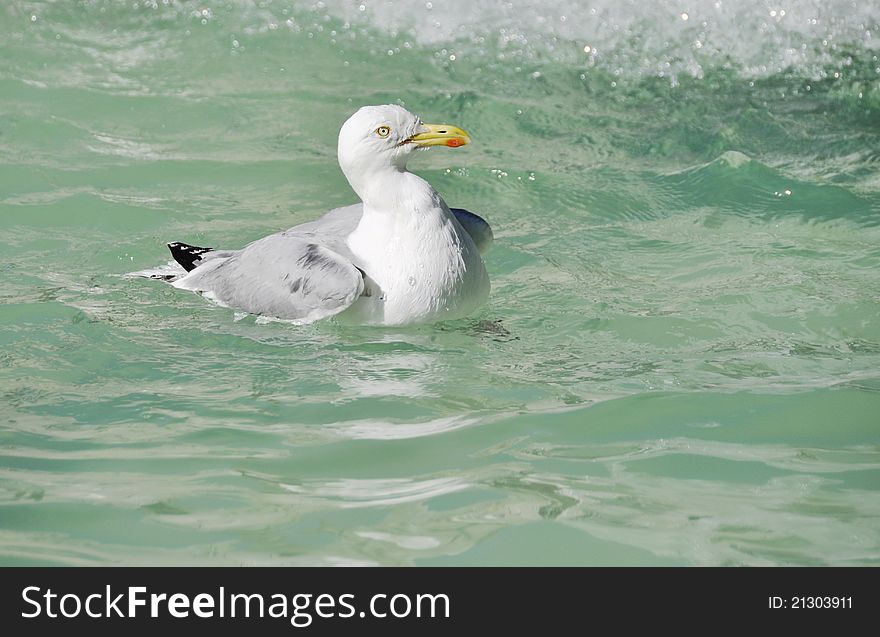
{"type": "Point", "coordinates": [186, 255]}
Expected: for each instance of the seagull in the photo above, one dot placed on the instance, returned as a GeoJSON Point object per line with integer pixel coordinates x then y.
{"type": "Point", "coordinates": [400, 257]}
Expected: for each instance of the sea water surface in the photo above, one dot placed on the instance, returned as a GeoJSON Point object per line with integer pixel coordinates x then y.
{"type": "Point", "coordinates": [679, 362]}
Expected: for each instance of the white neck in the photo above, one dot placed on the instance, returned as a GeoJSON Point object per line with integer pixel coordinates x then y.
{"type": "Point", "coordinates": [400, 209]}
{"type": "Point", "coordinates": [388, 188]}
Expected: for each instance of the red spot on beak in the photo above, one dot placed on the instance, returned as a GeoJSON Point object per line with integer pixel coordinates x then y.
{"type": "Point", "coordinates": [455, 142]}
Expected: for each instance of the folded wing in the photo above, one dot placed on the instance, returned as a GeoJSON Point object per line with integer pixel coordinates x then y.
{"type": "Point", "coordinates": [283, 275]}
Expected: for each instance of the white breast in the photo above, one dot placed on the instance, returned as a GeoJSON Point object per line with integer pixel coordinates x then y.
{"type": "Point", "coordinates": [421, 265]}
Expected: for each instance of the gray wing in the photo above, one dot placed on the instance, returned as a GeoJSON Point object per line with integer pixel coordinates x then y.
{"type": "Point", "coordinates": [333, 227]}
{"type": "Point", "coordinates": [284, 275]}
{"type": "Point", "coordinates": [476, 226]}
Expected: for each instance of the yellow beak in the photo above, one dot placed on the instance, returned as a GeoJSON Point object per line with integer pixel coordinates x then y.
{"type": "Point", "coordinates": [441, 135]}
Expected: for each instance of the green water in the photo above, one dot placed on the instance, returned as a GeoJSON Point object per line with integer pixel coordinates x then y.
{"type": "Point", "coordinates": [679, 362]}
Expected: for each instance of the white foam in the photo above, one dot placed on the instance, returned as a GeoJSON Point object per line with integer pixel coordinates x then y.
{"type": "Point", "coordinates": [631, 36]}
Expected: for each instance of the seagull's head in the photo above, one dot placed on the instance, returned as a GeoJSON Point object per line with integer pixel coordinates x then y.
{"type": "Point", "coordinates": [382, 137]}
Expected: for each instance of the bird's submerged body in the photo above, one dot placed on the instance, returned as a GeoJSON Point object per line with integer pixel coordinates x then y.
{"type": "Point", "coordinates": [401, 257]}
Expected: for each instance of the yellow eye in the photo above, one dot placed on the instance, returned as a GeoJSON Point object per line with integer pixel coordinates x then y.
{"type": "Point", "coordinates": [383, 131]}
